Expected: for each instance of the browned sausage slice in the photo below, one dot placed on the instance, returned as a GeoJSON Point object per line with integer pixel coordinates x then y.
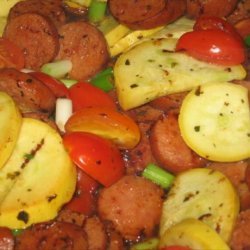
{"type": "Point", "coordinates": [221, 8]}
{"type": "Point", "coordinates": [133, 205]}
{"type": "Point", "coordinates": [30, 94]}
{"type": "Point", "coordinates": [169, 148]}
{"type": "Point", "coordinates": [6, 239]}
{"type": "Point", "coordinates": [130, 11]}
{"type": "Point", "coordinates": [172, 11]}
{"type": "Point", "coordinates": [240, 239]}
{"type": "Point", "coordinates": [57, 235]}
{"type": "Point", "coordinates": [242, 11]}
{"type": "Point", "coordinates": [97, 237]}
{"type": "Point", "coordinates": [36, 36]}
{"type": "Point", "coordinates": [85, 46]}
{"type": "Point", "coordinates": [49, 8]}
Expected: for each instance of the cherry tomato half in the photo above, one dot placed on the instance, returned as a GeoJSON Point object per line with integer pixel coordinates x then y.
{"type": "Point", "coordinates": [10, 55]}
{"type": "Point", "coordinates": [97, 156]}
{"type": "Point", "coordinates": [107, 123]}
{"type": "Point", "coordinates": [83, 200]}
{"type": "Point", "coordinates": [84, 95]}
{"type": "Point", "coordinates": [216, 23]}
{"type": "Point", "coordinates": [213, 46]}
{"type": "Point", "coordinates": [58, 88]}
{"type": "Point", "coordinates": [175, 248]}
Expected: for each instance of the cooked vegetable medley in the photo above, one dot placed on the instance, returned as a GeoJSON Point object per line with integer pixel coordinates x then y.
{"type": "Point", "coordinates": [124, 125]}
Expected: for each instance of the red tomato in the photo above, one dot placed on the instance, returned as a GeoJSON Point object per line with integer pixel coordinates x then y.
{"type": "Point", "coordinates": [86, 95]}
{"type": "Point", "coordinates": [175, 248]}
{"type": "Point", "coordinates": [58, 88]}
{"type": "Point", "coordinates": [214, 46]}
{"type": "Point", "coordinates": [107, 123]}
{"type": "Point", "coordinates": [10, 55]}
{"type": "Point", "coordinates": [84, 200]}
{"type": "Point", "coordinates": [97, 156]}
{"type": "Point", "coordinates": [216, 23]}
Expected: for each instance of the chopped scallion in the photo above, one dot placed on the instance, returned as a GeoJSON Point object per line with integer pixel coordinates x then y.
{"type": "Point", "coordinates": [97, 10]}
{"type": "Point", "coordinates": [247, 40]}
{"type": "Point", "coordinates": [150, 244]}
{"type": "Point", "coordinates": [57, 69]}
{"type": "Point", "coordinates": [158, 176]}
{"type": "Point", "coordinates": [68, 82]}
{"type": "Point", "coordinates": [104, 79]}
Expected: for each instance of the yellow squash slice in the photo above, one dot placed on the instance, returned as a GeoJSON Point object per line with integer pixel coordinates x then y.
{"type": "Point", "coordinates": [202, 194]}
{"type": "Point", "coordinates": [151, 69]}
{"type": "Point", "coordinates": [38, 178]}
{"type": "Point", "coordinates": [215, 122]}
{"type": "Point", "coordinates": [10, 125]}
{"type": "Point", "coordinates": [193, 234]}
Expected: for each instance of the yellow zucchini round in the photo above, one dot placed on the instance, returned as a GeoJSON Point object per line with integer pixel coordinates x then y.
{"type": "Point", "coordinates": [202, 194]}
{"type": "Point", "coordinates": [193, 234]}
{"type": "Point", "coordinates": [10, 125]}
{"type": "Point", "coordinates": [38, 178]}
{"type": "Point", "coordinates": [215, 122]}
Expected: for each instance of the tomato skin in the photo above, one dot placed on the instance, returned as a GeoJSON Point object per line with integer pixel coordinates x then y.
{"type": "Point", "coordinates": [58, 88]}
{"type": "Point", "coordinates": [175, 248]}
{"type": "Point", "coordinates": [107, 123]}
{"type": "Point", "coordinates": [84, 201]}
{"type": "Point", "coordinates": [98, 157]}
{"type": "Point", "coordinates": [10, 55]}
{"type": "Point", "coordinates": [84, 95]}
{"type": "Point", "coordinates": [213, 46]}
{"type": "Point", "coordinates": [216, 23]}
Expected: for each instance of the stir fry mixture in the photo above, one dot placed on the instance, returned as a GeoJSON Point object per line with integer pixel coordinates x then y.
{"type": "Point", "coordinates": [124, 125]}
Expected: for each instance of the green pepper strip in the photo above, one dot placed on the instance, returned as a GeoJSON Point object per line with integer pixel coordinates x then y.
{"type": "Point", "coordinates": [104, 79]}
{"type": "Point", "coordinates": [158, 176]}
{"type": "Point", "coordinates": [97, 10]}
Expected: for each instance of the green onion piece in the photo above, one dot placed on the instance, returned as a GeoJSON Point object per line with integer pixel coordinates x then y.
{"type": "Point", "coordinates": [57, 69]}
{"type": "Point", "coordinates": [68, 82]}
{"type": "Point", "coordinates": [158, 176]}
{"type": "Point", "coordinates": [151, 244]}
{"type": "Point", "coordinates": [104, 79]}
{"type": "Point", "coordinates": [16, 232]}
{"type": "Point", "coordinates": [97, 10]}
{"type": "Point", "coordinates": [247, 40]}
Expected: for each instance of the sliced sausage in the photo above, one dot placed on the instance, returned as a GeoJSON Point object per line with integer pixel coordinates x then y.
{"type": "Point", "coordinates": [97, 237]}
{"type": "Point", "coordinates": [133, 205]}
{"type": "Point", "coordinates": [241, 235]}
{"type": "Point", "coordinates": [85, 46]}
{"type": "Point", "coordinates": [139, 157]}
{"type": "Point", "coordinates": [56, 235]}
{"type": "Point", "coordinates": [115, 241]}
{"type": "Point", "coordinates": [173, 10]}
{"type": "Point", "coordinates": [36, 35]}
{"type": "Point", "coordinates": [168, 147]}
{"type": "Point", "coordinates": [29, 94]}
{"type": "Point", "coordinates": [169, 102]}
{"type": "Point", "coordinates": [49, 8]}
{"type": "Point", "coordinates": [130, 11]}
{"type": "Point", "coordinates": [221, 8]}
{"type": "Point", "coordinates": [242, 11]}
{"type": "Point", "coordinates": [6, 239]}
